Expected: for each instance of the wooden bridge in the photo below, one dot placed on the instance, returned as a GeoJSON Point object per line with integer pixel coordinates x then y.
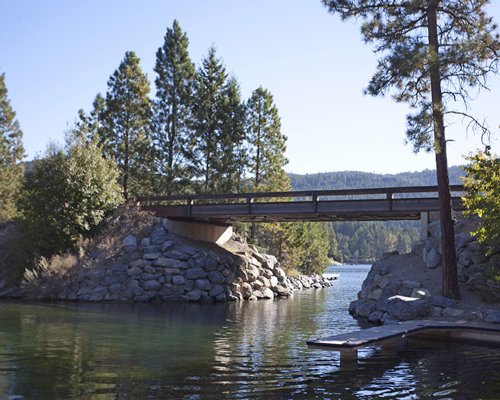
{"type": "Point", "coordinates": [379, 204]}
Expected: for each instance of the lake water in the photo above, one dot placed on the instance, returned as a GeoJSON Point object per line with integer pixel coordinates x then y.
{"type": "Point", "coordinates": [231, 351]}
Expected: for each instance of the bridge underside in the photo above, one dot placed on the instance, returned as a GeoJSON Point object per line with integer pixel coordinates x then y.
{"type": "Point", "coordinates": [338, 210]}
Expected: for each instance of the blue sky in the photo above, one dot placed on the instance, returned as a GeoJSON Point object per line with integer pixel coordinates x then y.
{"type": "Point", "coordinates": [57, 55]}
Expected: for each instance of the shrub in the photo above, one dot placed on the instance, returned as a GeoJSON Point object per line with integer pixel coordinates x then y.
{"type": "Point", "coordinates": [482, 195]}
{"type": "Point", "coordinates": [67, 195]}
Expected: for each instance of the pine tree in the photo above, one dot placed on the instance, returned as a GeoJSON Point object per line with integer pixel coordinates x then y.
{"type": "Point", "coordinates": [126, 131]}
{"type": "Point", "coordinates": [90, 126]}
{"type": "Point", "coordinates": [232, 160]}
{"type": "Point", "coordinates": [208, 110]}
{"type": "Point", "coordinates": [11, 155]}
{"type": "Point", "coordinates": [267, 145]}
{"type": "Point", "coordinates": [433, 52]}
{"type": "Point", "coordinates": [172, 133]}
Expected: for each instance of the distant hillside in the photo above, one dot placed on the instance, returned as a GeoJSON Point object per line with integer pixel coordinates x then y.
{"type": "Point", "coordinates": [356, 179]}
{"type": "Point", "coordinates": [363, 242]}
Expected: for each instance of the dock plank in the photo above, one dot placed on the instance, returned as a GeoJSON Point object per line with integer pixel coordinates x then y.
{"type": "Point", "coordinates": [380, 334]}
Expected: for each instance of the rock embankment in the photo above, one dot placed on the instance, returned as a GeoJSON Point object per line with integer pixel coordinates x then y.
{"type": "Point", "coordinates": [159, 266]}
{"type": "Point", "coordinates": [406, 287]}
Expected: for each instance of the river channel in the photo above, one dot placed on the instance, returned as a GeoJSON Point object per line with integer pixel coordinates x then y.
{"type": "Point", "coordinates": [230, 351]}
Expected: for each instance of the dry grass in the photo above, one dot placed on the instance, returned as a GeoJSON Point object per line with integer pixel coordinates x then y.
{"type": "Point", "coordinates": [107, 244]}
{"type": "Point", "coordinates": [57, 266]}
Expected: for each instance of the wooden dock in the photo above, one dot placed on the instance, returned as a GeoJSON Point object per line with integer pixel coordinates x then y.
{"type": "Point", "coordinates": [386, 335]}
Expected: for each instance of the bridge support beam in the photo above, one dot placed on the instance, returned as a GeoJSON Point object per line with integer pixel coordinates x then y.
{"type": "Point", "coordinates": [427, 217]}
{"type": "Point", "coordinates": [213, 233]}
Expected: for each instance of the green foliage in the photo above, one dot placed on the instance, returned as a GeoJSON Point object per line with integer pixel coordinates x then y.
{"type": "Point", "coordinates": [363, 242]}
{"type": "Point", "coordinates": [126, 126]}
{"type": "Point", "coordinates": [482, 195]}
{"type": "Point", "coordinates": [467, 52]}
{"type": "Point", "coordinates": [232, 161]}
{"type": "Point", "coordinates": [11, 156]}
{"type": "Point", "coordinates": [67, 195]}
{"type": "Point", "coordinates": [266, 143]}
{"type": "Point", "coordinates": [172, 134]}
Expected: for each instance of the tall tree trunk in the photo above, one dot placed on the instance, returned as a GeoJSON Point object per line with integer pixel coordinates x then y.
{"type": "Point", "coordinates": [450, 287]}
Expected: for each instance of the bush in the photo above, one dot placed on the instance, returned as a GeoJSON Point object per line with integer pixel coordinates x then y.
{"type": "Point", "coordinates": [67, 195]}
{"type": "Point", "coordinates": [482, 195]}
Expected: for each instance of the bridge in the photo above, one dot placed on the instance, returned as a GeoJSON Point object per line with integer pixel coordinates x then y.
{"type": "Point", "coordinates": [372, 204]}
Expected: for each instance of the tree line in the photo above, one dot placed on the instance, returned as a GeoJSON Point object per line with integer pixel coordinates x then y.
{"type": "Point", "coordinates": [194, 135]}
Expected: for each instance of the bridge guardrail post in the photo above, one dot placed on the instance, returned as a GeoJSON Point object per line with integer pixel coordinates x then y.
{"type": "Point", "coordinates": [315, 198]}
{"type": "Point", "coordinates": [249, 203]}
{"type": "Point", "coordinates": [190, 202]}
{"type": "Point", "coordinates": [390, 197]}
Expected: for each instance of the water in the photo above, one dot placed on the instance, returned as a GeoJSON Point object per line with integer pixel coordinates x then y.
{"type": "Point", "coordinates": [233, 351]}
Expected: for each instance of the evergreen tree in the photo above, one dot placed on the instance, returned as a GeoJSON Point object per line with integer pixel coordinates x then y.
{"type": "Point", "coordinates": [208, 112]}
{"type": "Point", "coordinates": [11, 156]}
{"type": "Point", "coordinates": [172, 133]}
{"type": "Point", "coordinates": [90, 126]}
{"type": "Point", "coordinates": [433, 52]}
{"type": "Point", "coordinates": [232, 160]}
{"type": "Point", "coordinates": [267, 145]}
{"type": "Point", "coordinates": [126, 133]}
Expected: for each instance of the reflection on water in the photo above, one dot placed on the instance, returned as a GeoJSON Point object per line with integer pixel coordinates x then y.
{"type": "Point", "coordinates": [236, 350]}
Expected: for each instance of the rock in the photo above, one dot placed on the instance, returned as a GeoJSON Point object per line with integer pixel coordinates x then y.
{"type": "Point", "coordinates": [140, 263]}
{"type": "Point", "coordinates": [273, 280]}
{"type": "Point", "coordinates": [194, 295]}
{"type": "Point", "coordinates": [267, 293]}
{"type": "Point", "coordinates": [375, 294]}
{"type": "Point", "coordinates": [388, 320]}
{"type": "Point", "coordinates": [151, 256]}
{"type": "Point", "coordinates": [443, 302]}
{"type": "Point", "coordinates": [151, 249]}
{"type": "Point", "coordinates": [246, 290]}
{"type": "Point", "coordinates": [432, 258]}
{"type": "Point", "coordinates": [407, 308]}
{"type": "Point", "coordinates": [452, 312]}
{"type": "Point", "coordinates": [492, 316]}
{"type": "Point", "coordinates": [166, 246]}
{"type": "Point", "coordinates": [221, 298]}
{"type": "Point", "coordinates": [462, 239]}
{"type": "Point", "coordinates": [151, 285]}
{"type": "Point", "coordinates": [129, 243]}
{"type": "Point", "coordinates": [178, 280]}
{"type": "Point", "coordinates": [216, 277]}
{"type": "Point", "coordinates": [436, 312]}
{"type": "Point", "coordinates": [381, 281]}
{"type": "Point", "coordinates": [365, 308]}
{"type": "Point", "coordinates": [216, 291]}
{"type": "Point", "coordinates": [380, 268]}
{"type": "Point", "coordinates": [420, 293]}
{"type": "Point", "coordinates": [375, 316]}
{"type": "Point", "coordinates": [148, 269]}
{"type": "Point", "coordinates": [158, 232]}
{"type": "Point", "coordinates": [169, 263]}
{"type": "Point", "coordinates": [411, 284]}
{"type": "Point", "coordinates": [177, 255]}
{"type": "Point", "coordinates": [134, 271]}
{"type": "Point", "coordinates": [145, 242]}
{"type": "Point", "coordinates": [418, 248]}
{"type": "Point", "coordinates": [195, 273]}
{"type": "Point", "coordinates": [203, 284]}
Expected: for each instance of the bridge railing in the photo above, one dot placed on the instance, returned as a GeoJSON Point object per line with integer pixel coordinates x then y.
{"type": "Point", "coordinates": [297, 196]}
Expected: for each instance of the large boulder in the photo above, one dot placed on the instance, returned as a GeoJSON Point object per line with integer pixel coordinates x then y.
{"type": "Point", "coordinates": [407, 308]}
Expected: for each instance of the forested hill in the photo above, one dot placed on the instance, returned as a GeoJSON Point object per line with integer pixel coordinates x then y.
{"type": "Point", "coordinates": [356, 179]}
{"type": "Point", "coordinates": [363, 242]}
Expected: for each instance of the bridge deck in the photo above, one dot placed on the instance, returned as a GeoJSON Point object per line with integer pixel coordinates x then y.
{"type": "Point", "coordinates": [395, 203]}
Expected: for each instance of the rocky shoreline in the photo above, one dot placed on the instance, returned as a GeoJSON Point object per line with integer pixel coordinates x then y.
{"type": "Point", "coordinates": [157, 266]}
{"type": "Point", "coordinates": [402, 287]}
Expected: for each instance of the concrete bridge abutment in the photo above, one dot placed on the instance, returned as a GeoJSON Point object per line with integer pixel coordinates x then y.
{"type": "Point", "coordinates": [207, 232]}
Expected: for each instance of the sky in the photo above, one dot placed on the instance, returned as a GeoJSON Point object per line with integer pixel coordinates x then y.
{"type": "Point", "coordinates": [58, 54]}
